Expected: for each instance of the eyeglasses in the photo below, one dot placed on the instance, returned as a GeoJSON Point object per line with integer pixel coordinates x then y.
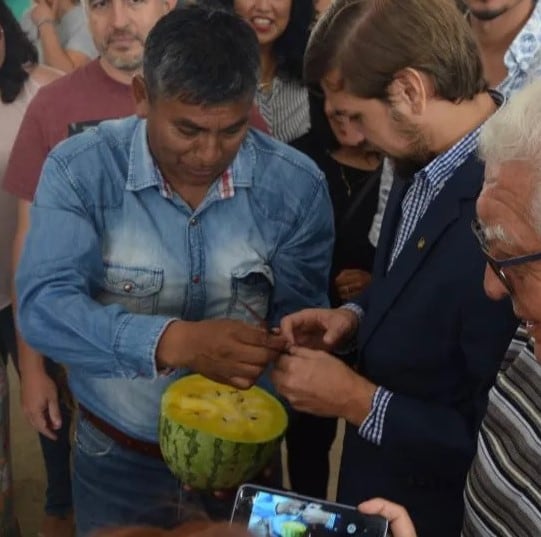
{"type": "Point", "coordinates": [497, 265]}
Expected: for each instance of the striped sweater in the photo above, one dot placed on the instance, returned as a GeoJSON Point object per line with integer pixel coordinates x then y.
{"type": "Point", "coordinates": [503, 489]}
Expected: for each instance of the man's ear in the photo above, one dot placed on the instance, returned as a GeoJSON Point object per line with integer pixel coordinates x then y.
{"type": "Point", "coordinates": [409, 89]}
{"type": "Point", "coordinates": [168, 5]}
{"type": "Point", "coordinates": [140, 95]}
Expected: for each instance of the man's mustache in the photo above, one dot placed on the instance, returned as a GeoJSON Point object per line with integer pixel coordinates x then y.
{"type": "Point", "coordinates": [124, 35]}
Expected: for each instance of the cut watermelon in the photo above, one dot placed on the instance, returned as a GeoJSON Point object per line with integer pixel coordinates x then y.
{"type": "Point", "coordinates": [214, 436]}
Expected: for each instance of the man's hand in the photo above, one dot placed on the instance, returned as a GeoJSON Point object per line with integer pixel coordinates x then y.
{"type": "Point", "coordinates": [231, 352]}
{"type": "Point", "coordinates": [322, 329]}
{"type": "Point", "coordinates": [39, 400]}
{"type": "Point", "coordinates": [318, 383]}
{"type": "Point", "coordinates": [399, 521]}
{"type": "Point", "coordinates": [351, 282]}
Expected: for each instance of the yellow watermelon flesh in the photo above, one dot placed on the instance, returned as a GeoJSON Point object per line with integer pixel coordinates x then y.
{"type": "Point", "coordinates": [214, 436]}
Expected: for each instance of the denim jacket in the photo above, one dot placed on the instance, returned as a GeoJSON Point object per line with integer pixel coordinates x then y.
{"type": "Point", "coordinates": [112, 257]}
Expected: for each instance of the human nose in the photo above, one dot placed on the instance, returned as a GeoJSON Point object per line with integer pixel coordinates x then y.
{"type": "Point", "coordinates": [262, 5]}
{"type": "Point", "coordinates": [209, 150]}
{"type": "Point", "coordinates": [351, 135]}
{"type": "Point", "coordinates": [494, 287]}
{"type": "Point", "coordinates": [120, 18]}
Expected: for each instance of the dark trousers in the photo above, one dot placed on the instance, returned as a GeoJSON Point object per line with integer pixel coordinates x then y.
{"type": "Point", "coordinates": [56, 454]}
{"type": "Point", "coordinates": [309, 439]}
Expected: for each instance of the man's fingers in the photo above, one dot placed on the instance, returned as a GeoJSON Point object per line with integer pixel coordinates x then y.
{"type": "Point", "coordinates": [241, 382]}
{"type": "Point", "coordinates": [333, 335]}
{"type": "Point", "coordinates": [239, 375]}
{"type": "Point", "coordinates": [304, 352]}
{"type": "Point", "coordinates": [39, 423]}
{"type": "Point", "coordinates": [297, 323]}
{"type": "Point", "coordinates": [54, 413]}
{"type": "Point", "coordinates": [399, 520]}
{"type": "Point", "coordinates": [257, 337]}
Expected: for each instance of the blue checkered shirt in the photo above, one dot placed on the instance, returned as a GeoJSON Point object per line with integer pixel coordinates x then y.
{"type": "Point", "coordinates": [426, 185]}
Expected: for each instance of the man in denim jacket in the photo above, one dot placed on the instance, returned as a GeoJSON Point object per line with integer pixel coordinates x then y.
{"type": "Point", "coordinates": [154, 240]}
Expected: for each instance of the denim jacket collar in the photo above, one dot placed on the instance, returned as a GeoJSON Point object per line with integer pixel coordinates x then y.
{"type": "Point", "coordinates": [144, 173]}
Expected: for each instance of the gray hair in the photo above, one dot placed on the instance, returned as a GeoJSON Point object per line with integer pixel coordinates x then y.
{"type": "Point", "coordinates": [201, 55]}
{"type": "Point", "coordinates": [514, 133]}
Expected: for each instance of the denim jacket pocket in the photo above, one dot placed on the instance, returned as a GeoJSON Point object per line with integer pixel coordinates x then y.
{"type": "Point", "coordinates": [251, 286]}
{"type": "Point", "coordinates": [135, 288]}
{"type": "Point", "coordinates": [91, 441]}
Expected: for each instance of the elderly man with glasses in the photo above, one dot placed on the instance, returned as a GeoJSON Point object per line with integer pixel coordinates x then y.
{"type": "Point", "coordinates": [503, 490]}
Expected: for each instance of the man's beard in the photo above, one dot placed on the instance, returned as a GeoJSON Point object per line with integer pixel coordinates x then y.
{"type": "Point", "coordinates": [419, 154]}
{"type": "Point", "coordinates": [122, 62]}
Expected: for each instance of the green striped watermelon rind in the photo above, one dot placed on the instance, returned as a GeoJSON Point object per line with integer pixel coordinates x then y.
{"type": "Point", "coordinates": [202, 461]}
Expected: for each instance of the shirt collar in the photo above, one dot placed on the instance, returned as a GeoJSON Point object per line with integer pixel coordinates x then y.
{"type": "Point", "coordinates": [143, 172]}
{"type": "Point", "coordinates": [437, 171]}
{"type": "Point", "coordinates": [526, 44]}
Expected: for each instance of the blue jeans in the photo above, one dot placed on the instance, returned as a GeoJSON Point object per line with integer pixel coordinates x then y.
{"type": "Point", "coordinates": [56, 454]}
{"type": "Point", "coordinates": [115, 486]}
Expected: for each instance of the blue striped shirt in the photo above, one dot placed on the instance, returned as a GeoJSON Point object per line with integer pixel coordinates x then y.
{"type": "Point", "coordinates": [427, 184]}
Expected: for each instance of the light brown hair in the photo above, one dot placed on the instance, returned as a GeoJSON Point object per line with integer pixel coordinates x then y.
{"type": "Point", "coordinates": [369, 41]}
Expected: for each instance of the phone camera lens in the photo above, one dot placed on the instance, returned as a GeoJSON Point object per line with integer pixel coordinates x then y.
{"type": "Point", "coordinates": [351, 529]}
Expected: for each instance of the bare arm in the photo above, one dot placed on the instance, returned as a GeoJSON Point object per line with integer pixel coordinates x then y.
{"type": "Point", "coordinates": [53, 53]}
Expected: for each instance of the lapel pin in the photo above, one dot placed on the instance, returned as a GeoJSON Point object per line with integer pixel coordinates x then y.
{"type": "Point", "coordinates": [421, 243]}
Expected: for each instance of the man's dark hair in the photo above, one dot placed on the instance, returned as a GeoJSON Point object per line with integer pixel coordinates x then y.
{"type": "Point", "coordinates": [20, 53]}
{"type": "Point", "coordinates": [289, 48]}
{"type": "Point", "coordinates": [369, 41]}
{"type": "Point", "coordinates": [201, 55]}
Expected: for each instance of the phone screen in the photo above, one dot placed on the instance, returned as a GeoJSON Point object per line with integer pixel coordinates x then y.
{"type": "Point", "coordinates": [270, 513]}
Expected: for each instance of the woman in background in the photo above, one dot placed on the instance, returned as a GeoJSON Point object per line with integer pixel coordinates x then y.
{"type": "Point", "coordinates": [20, 79]}
{"type": "Point", "coordinates": [59, 30]}
{"type": "Point", "coordinates": [282, 28]}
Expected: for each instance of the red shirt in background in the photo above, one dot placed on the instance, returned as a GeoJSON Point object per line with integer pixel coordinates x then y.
{"type": "Point", "coordinates": [65, 107]}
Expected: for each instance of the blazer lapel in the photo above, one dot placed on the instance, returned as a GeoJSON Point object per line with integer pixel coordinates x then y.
{"type": "Point", "coordinates": [443, 211]}
{"type": "Point", "coordinates": [390, 221]}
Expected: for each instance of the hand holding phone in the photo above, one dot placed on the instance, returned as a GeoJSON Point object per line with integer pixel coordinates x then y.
{"type": "Point", "coordinates": [275, 513]}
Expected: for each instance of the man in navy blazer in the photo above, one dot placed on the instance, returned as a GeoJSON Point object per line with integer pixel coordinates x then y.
{"type": "Point", "coordinates": [405, 76]}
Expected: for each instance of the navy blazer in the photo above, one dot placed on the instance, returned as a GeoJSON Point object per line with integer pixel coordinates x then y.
{"type": "Point", "coordinates": [432, 337]}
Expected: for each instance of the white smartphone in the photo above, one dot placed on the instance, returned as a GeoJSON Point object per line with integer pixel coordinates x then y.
{"type": "Point", "coordinates": [276, 513]}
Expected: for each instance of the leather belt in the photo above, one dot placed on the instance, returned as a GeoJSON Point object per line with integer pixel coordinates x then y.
{"type": "Point", "coordinates": [150, 449]}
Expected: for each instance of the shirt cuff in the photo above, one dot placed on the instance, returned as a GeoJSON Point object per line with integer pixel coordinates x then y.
{"type": "Point", "coordinates": [355, 308]}
{"type": "Point", "coordinates": [136, 342]}
{"type": "Point", "coordinates": [371, 428]}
